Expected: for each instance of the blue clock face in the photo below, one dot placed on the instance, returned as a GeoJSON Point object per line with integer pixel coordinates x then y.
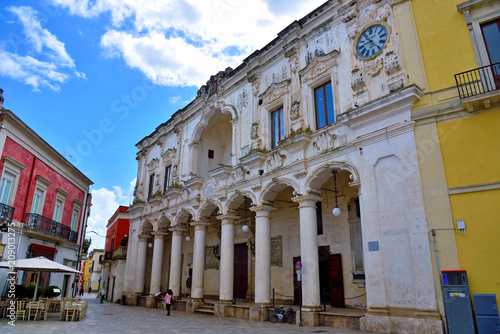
{"type": "Point", "coordinates": [371, 41]}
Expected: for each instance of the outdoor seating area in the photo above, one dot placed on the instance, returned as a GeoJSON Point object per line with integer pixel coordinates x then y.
{"type": "Point", "coordinates": [69, 309]}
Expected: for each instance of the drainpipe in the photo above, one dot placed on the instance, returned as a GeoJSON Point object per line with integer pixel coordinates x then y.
{"type": "Point", "coordinates": [433, 232]}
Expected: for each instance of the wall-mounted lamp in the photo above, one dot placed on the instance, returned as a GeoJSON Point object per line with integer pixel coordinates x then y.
{"type": "Point", "coordinates": [461, 225]}
{"type": "Point", "coordinates": [296, 193]}
{"type": "Point", "coordinates": [336, 211]}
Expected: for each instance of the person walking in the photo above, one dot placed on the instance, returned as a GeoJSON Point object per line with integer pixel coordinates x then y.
{"type": "Point", "coordinates": [102, 295]}
{"type": "Point", "coordinates": [90, 288]}
{"type": "Point", "coordinates": [169, 300]}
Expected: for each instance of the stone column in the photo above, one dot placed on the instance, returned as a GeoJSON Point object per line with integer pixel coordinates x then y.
{"type": "Point", "coordinates": [263, 254]}
{"type": "Point", "coordinates": [200, 232]}
{"type": "Point", "coordinates": [309, 251]}
{"type": "Point", "coordinates": [140, 267]}
{"type": "Point", "coordinates": [157, 263]}
{"type": "Point", "coordinates": [227, 258]}
{"type": "Point", "coordinates": [176, 259]}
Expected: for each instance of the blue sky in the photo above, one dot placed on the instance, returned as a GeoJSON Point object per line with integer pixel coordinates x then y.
{"type": "Point", "coordinates": [94, 77]}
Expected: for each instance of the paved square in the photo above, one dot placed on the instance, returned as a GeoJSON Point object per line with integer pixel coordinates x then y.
{"type": "Point", "coordinates": [111, 318]}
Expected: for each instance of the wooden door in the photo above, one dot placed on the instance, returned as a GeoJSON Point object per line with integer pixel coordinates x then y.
{"type": "Point", "coordinates": [336, 280]}
{"type": "Point", "coordinates": [240, 285]}
{"type": "Point", "coordinates": [296, 284]}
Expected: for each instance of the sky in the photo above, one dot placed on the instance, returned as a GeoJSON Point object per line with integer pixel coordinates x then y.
{"type": "Point", "coordinates": [94, 77]}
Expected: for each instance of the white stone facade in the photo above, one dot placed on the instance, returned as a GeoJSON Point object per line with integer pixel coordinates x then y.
{"type": "Point", "coordinates": [224, 174]}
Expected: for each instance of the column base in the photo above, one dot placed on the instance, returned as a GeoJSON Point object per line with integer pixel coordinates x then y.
{"type": "Point", "coordinates": [259, 313]}
{"type": "Point", "coordinates": [309, 318]}
{"type": "Point", "coordinates": [221, 309]}
{"type": "Point", "coordinates": [401, 320]}
{"type": "Point", "coordinates": [193, 304]}
{"type": "Point", "coordinates": [151, 301]}
{"type": "Point", "coordinates": [132, 298]}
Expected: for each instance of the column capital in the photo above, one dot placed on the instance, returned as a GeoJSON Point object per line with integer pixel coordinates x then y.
{"type": "Point", "coordinates": [201, 223]}
{"type": "Point", "coordinates": [159, 235]}
{"type": "Point", "coordinates": [263, 210]}
{"type": "Point", "coordinates": [143, 237]}
{"type": "Point", "coordinates": [177, 230]}
{"type": "Point", "coordinates": [228, 218]}
{"type": "Point", "coordinates": [307, 200]}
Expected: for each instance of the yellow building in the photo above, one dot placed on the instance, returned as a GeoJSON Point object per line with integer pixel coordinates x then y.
{"type": "Point", "coordinates": [86, 274]}
{"type": "Point", "coordinates": [451, 50]}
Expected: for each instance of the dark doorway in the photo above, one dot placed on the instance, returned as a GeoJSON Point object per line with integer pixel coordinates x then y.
{"type": "Point", "coordinates": [296, 283]}
{"type": "Point", "coordinates": [65, 285]}
{"type": "Point", "coordinates": [113, 289]}
{"type": "Point", "coordinates": [324, 273]}
{"type": "Point", "coordinates": [240, 285]}
{"type": "Point", "coordinates": [336, 280]}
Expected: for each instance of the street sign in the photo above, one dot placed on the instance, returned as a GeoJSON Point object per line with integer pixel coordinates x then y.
{"type": "Point", "coordinates": [298, 265]}
{"type": "Point", "coordinates": [299, 275]}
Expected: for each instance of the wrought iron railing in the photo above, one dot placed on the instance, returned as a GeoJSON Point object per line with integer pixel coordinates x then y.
{"type": "Point", "coordinates": [108, 255]}
{"type": "Point", "coordinates": [478, 81]}
{"type": "Point", "coordinates": [34, 221]}
{"type": "Point", "coordinates": [120, 253]}
{"type": "Point", "coordinates": [6, 213]}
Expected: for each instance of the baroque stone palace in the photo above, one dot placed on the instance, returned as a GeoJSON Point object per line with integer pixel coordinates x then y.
{"type": "Point", "coordinates": [241, 184]}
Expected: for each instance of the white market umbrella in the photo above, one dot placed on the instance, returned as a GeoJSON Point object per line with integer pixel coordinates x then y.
{"type": "Point", "coordinates": [38, 264]}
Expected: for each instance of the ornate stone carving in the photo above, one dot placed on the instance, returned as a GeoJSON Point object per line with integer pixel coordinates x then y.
{"type": "Point", "coordinates": [254, 80]}
{"type": "Point", "coordinates": [391, 62]}
{"type": "Point", "coordinates": [185, 195]}
{"type": "Point", "coordinates": [319, 66]}
{"type": "Point", "coordinates": [295, 110]}
{"type": "Point", "coordinates": [239, 174]}
{"type": "Point", "coordinates": [213, 85]}
{"type": "Point", "coordinates": [169, 153]}
{"type": "Point", "coordinates": [275, 92]}
{"type": "Point", "coordinates": [373, 67]}
{"type": "Point", "coordinates": [275, 161]}
{"type": "Point", "coordinates": [352, 30]}
{"type": "Point", "coordinates": [209, 189]}
{"type": "Point", "coordinates": [357, 81]}
{"type": "Point", "coordinates": [325, 142]}
{"type": "Point", "coordinates": [153, 164]}
{"type": "Point", "coordinates": [300, 173]}
{"type": "Point", "coordinates": [350, 15]}
{"type": "Point", "coordinates": [254, 131]}
{"type": "Point", "coordinates": [384, 13]}
{"type": "Point", "coordinates": [292, 59]}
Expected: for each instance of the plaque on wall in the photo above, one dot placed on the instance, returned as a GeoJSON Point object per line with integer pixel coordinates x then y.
{"type": "Point", "coordinates": [276, 252]}
{"type": "Point", "coordinates": [211, 261]}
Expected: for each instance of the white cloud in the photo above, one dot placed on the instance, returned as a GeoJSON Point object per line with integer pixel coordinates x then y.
{"type": "Point", "coordinates": [104, 204]}
{"type": "Point", "coordinates": [47, 63]}
{"type": "Point", "coordinates": [183, 42]}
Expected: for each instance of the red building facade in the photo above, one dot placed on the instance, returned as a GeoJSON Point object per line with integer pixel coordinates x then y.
{"type": "Point", "coordinates": [44, 202]}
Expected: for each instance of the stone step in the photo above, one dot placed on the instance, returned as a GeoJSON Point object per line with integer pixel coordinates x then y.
{"type": "Point", "coordinates": [206, 311]}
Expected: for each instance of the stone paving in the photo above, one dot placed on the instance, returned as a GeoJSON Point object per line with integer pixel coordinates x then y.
{"type": "Point", "coordinates": [110, 318]}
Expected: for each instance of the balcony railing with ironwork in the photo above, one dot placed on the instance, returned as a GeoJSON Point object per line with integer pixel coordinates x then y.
{"type": "Point", "coordinates": [40, 223]}
{"type": "Point", "coordinates": [6, 213]}
{"type": "Point", "coordinates": [478, 81]}
{"type": "Point", "coordinates": [120, 253]}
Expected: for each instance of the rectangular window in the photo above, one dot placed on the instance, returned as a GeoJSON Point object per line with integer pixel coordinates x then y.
{"type": "Point", "coordinates": [210, 154]}
{"type": "Point", "coordinates": [151, 185]}
{"type": "Point", "coordinates": [74, 219]}
{"type": "Point", "coordinates": [37, 199]}
{"type": "Point", "coordinates": [5, 187]}
{"type": "Point", "coordinates": [168, 171]}
{"type": "Point", "coordinates": [277, 127]}
{"type": "Point", "coordinates": [491, 34]}
{"type": "Point", "coordinates": [57, 211]}
{"type": "Point", "coordinates": [323, 98]}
